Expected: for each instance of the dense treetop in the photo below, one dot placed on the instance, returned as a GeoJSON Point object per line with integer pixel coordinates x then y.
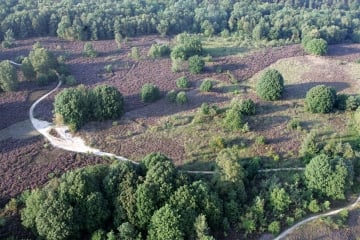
{"type": "Point", "coordinates": [333, 20]}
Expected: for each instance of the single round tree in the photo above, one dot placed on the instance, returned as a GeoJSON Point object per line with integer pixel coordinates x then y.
{"type": "Point", "coordinates": [196, 64]}
{"type": "Point", "coordinates": [317, 46]}
{"type": "Point", "coordinates": [108, 103]}
{"type": "Point", "coordinates": [206, 85]}
{"type": "Point", "coordinates": [271, 85]}
{"type": "Point", "coordinates": [181, 98]}
{"type": "Point", "coordinates": [150, 93]}
{"type": "Point", "coordinates": [320, 99]}
{"type": "Point", "coordinates": [182, 82]}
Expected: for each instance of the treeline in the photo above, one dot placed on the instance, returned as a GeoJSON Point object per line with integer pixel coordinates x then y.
{"type": "Point", "coordinates": [154, 200]}
{"type": "Point", "coordinates": [286, 20]}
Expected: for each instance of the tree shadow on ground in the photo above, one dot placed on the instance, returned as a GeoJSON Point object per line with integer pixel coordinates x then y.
{"type": "Point", "coordinates": [340, 50]}
{"type": "Point", "coordinates": [298, 91]}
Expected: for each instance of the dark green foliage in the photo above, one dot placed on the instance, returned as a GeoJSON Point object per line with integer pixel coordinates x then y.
{"type": "Point", "coordinates": [181, 98]}
{"type": "Point", "coordinates": [28, 69]}
{"type": "Point", "coordinates": [158, 50]}
{"type": "Point", "coordinates": [89, 50]}
{"type": "Point", "coordinates": [247, 107]}
{"type": "Point", "coordinates": [329, 176]}
{"type": "Point", "coordinates": [108, 103]}
{"type": "Point", "coordinates": [316, 47]}
{"type": "Point", "coordinates": [42, 60]}
{"type": "Point", "coordinates": [171, 96]}
{"type": "Point", "coordinates": [206, 85]}
{"type": "Point", "coordinates": [70, 80]}
{"type": "Point", "coordinates": [8, 77]}
{"type": "Point", "coordinates": [320, 99]}
{"type": "Point", "coordinates": [150, 160]}
{"type": "Point", "coordinates": [346, 102]}
{"type": "Point", "coordinates": [150, 93]}
{"type": "Point", "coordinates": [309, 146]}
{"type": "Point", "coordinates": [182, 82]}
{"type": "Point", "coordinates": [196, 64]}
{"type": "Point", "coordinates": [9, 40]}
{"type": "Point", "coordinates": [186, 46]}
{"type": "Point", "coordinates": [127, 231]}
{"type": "Point", "coordinates": [42, 79]}
{"type": "Point", "coordinates": [270, 86]}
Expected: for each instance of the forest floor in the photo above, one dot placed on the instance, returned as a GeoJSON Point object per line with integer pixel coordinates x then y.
{"type": "Point", "coordinates": [163, 126]}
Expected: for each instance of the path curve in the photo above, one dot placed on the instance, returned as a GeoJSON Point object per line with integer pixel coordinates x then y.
{"type": "Point", "coordinates": [309, 219]}
{"type": "Point", "coordinates": [75, 144]}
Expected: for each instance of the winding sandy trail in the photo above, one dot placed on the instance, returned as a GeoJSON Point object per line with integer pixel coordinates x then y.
{"type": "Point", "coordinates": [75, 144]}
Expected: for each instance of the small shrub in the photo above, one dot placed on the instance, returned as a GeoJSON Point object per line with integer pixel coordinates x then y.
{"type": "Point", "coordinates": [233, 119]}
{"type": "Point", "coordinates": [135, 53]}
{"type": "Point", "coordinates": [89, 50]}
{"type": "Point", "coordinates": [217, 144]}
{"type": "Point", "coordinates": [52, 76]}
{"type": "Point", "coordinates": [158, 50]}
{"type": "Point", "coordinates": [247, 107]}
{"type": "Point", "coordinates": [70, 80]}
{"type": "Point", "coordinates": [260, 140]}
{"type": "Point", "coordinates": [205, 108]}
{"type": "Point", "coordinates": [352, 103]}
{"type": "Point", "coordinates": [340, 102]}
{"type": "Point", "coordinates": [171, 96]}
{"type": "Point", "coordinates": [320, 99]}
{"type": "Point", "coordinates": [294, 124]}
{"type": "Point", "coordinates": [108, 68]}
{"type": "Point", "coordinates": [314, 206]}
{"type": "Point", "coordinates": [206, 86]}
{"type": "Point", "coordinates": [177, 64]}
{"type": "Point", "coordinates": [317, 46]}
{"type": "Point", "coordinates": [196, 64]}
{"type": "Point", "coordinates": [181, 98]}
{"type": "Point", "coordinates": [274, 227]}
{"type": "Point", "coordinates": [270, 85]}
{"type": "Point", "coordinates": [150, 93]}
{"type": "Point", "coordinates": [182, 82]}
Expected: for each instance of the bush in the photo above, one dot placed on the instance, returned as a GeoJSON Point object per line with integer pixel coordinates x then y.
{"type": "Point", "coordinates": [206, 86]}
{"type": "Point", "coordinates": [135, 53]}
{"type": "Point", "coordinates": [182, 82]}
{"type": "Point", "coordinates": [352, 103]}
{"type": "Point", "coordinates": [8, 77]}
{"type": "Point", "coordinates": [171, 96]}
{"type": "Point", "coordinates": [317, 46]}
{"type": "Point", "coordinates": [196, 64]}
{"type": "Point", "coordinates": [70, 80]}
{"type": "Point", "coordinates": [89, 50]}
{"type": "Point", "coordinates": [274, 227]}
{"type": "Point", "coordinates": [233, 119]}
{"type": "Point", "coordinates": [320, 99]}
{"type": "Point", "coordinates": [217, 144]}
{"type": "Point", "coordinates": [247, 107]}
{"type": "Point", "coordinates": [158, 50]}
{"type": "Point", "coordinates": [260, 140]}
{"type": "Point", "coordinates": [340, 102]}
{"type": "Point", "coordinates": [271, 85]}
{"type": "Point", "coordinates": [314, 206]}
{"type": "Point", "coordinates": [181, 98]}
{"type": "Point", "coordinates": [150, 93]}
{"type": "Point", "coordinates": [309, 146]}
{"type": "Point", "coordinates": [108, 103]}
{"type": "Point", "coordinates": [294, 124]}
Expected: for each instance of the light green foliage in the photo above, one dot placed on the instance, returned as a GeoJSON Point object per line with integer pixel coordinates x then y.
{"type": "Point", "coordinates": [9, 40]}
{"type": "Point", "coordinates": [202, 229]}
{"type": "Point", "coordinates": [196, 64]}
{"type": "Point", "coordinates": [314, 206]}
{"type": "Point", "coordinates": [177, 64]}
{"type": "Point", "coordinates": [165, 225]}
{"type": "Point", "coordinates": [316, 47]}
{"type": "Point", "coordinates": [127, 231]}
{"type": "Point", "coordinates": [89, 50]}
{"type": "Point", "coordinates": [42, 60]}
{"type": "Point", "coordinates": [217, 144]}
{"type": "Point", "coordinates": [150, 93]}
{"type": "Point", "coordinates": [108, 103]}
{"type": "Point", "coordinates": [346, 102]}
{"type": "Point", "coordinates": [171, 96]}
{"type": "Point", "coordinates": [98, 235]}
{"type": "Point", "coordinates": [260, 140]}
{"type": "Point", "coordinates": [274, 227]}
{"type": "Point", "coordinates": [150, 160]}
{"type": "Point", "coordinates": [206, 85]}
{"type": "Point", "coordinates": [320, 99]}
{"type": "Point", "coordinates": [28, 69]}
{"type": "Point", "coordinates": [118, 39]}
{"type": "Point", "coordinates": [135, 53]}
{"type": "Point", "coordinates": [181, 98]}
{"type": "Point", "coordinates": [233, 119]}
{"type": "Point", "coordinates": [159, 50]}
{"type": "Point", "coordinates": [187, 45]}
{"type": "Point", "coordinates": [329, 176]}
{"type": "Point", "coordinates": [182, 82]}
{"type": "Point", "coordinates": [280, 199]}
{"type": "Point", "coordinates": [8, 77]}
{"type": "Point", "coordinates": [309, 146]}
{"type": "Point", "coordinates": [270, 86]}
{"type": "Point", "coordinates": [294, 124]}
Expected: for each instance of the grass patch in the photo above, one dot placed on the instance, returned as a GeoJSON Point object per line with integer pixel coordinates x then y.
{"type": "Point", "coordinates": [220, 47]}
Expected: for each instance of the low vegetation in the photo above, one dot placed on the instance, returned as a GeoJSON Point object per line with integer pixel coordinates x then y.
{"type": "Point", "coordinates": [150, 93]}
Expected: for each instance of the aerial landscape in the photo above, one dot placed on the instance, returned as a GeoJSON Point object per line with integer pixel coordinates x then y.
{"type": "Point", "coordinates": [179, 119]}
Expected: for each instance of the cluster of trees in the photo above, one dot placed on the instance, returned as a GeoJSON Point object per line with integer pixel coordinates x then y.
{"type": "Point", "coordinates": [285, 20]}
{"type": "Point", "coordinates": [76, 106]}
{"type": "Point", "coordinates": [153, 200]}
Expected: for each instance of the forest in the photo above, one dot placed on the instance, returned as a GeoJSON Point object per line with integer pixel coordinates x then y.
{"type": "Point", "coordinates": [238, 142]}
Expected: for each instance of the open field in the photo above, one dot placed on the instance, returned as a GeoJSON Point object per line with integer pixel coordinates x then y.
{"type": "Point", "coordinates": [168, 127]}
